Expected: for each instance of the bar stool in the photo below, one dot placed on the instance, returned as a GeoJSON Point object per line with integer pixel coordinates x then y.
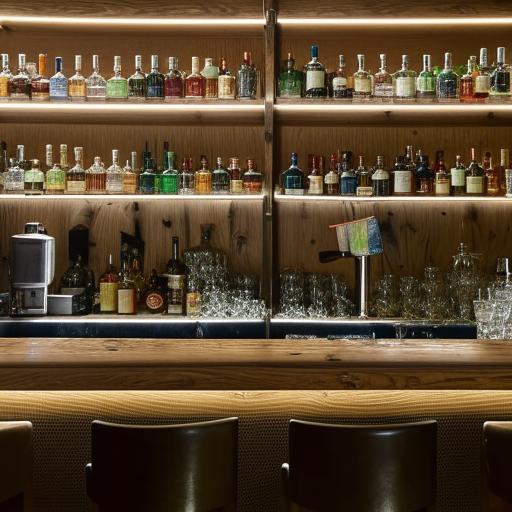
{"type": "Point", "coordinates": [189, 467]}
{"type": "Point", "coordinates": [497, 463]}
{"type": "Point", "coordinates": [15, 466]}
{"type": "Point", "coordinates": [363, 468]}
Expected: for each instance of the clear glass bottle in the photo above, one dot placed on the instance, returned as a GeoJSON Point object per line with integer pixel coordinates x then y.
{"type": "Point", "coordinates": [203, 178]}
{"type": "Point", "coordinates": [404, 82]}
{"type": "Point", "coordinates": [96, 178]}
{"type": "Point", "coordinates": [383, 82]}
{"type": "Point", "coordinates": [247, 79]}
{"type": "Point", "coordinates": [170, 176]}
{"type": "Point", "coordinates": [76, 83]}
{"type": "Point", "coordinates": [95, 84]}
{"type": "Point", "coordinates": [426, 82]}
{"type": "Point", "coordinates": [227, 82]}
{"type": "Point", "coordinates": [364, 179]}
{"type": "Point", "coordinates": [448, 81]}
{"type": "Point", "coordinates": [5, 78]}
{"type": "Point", "coordinates": [292, 179]}
{"type": "Point", "coordinates": [458, 177]}
{"type": "Point", "coordinates": [500, 78]}
{"type": "Point", "coordinates": [442, 183]}
{"type": "Point", "coordinates": [195, 82]}
{"type": "Point", "coordinates": [137, 82]}
{"type": "Point", "coordinates": [155, 81]}
{"type": "Point", "coordinates": [362, 81]}
{"type": "Point", "coordinates": [126, 291]}
{"type": "Point", "coordinates": [492, 180]}
{"type": "Point", "coordinates": [482, 83]}
{"type": "Point", "coordinates": [75, 179]}
{"type": "Point", "coordinates": [211, 76]}
{"type": "Point", "coordinates": [109, 284]}
{"type": "Point", "coordinates": [34, 179]}
{"type": "Point", "coordinates": [56, 175]}
{"type": "Point", "coordinates": [114, 178]}
{"type": "Point", "coordinates": [252, 179]}
{"type": "Point", "coordinates": [130, 178]}
{"type": "Point", "coordinates": [332, 178]}
{"type": "Point", "coordinates": [117, 85]}
{"type": "Point", "coordinates": [58, 83]}
{"type": "Point", "coordinates": [315, 76]}
{"type": "Point", "coordinates": [40, 83]}
{"type": "Point", "coordinates": [380, 179]}
{"type": "Point", "coordinates": [19, 86]}
{"type": "Point", "coordinates": [500, 169]}
{"type": "Point", "coordinates": [220, 178]}
{"type": "Point", "coordinates": [424, 177]}
{"type": "Point", "coordinates": [290, 80]}
{"type": "Point", "coordinates": [173, 81]}
{"type": "Point", "coordinates": [466, 85]}
{"type": "Point", "coordinates": [475, 177]}
{"type": "Point", "coordinates": [348, 178]}
{"type": "Point", "coordinates": [187, 178]}
{"type": "Point", "coordinates": [235, 176]}
{"type": "Point", "coordinates": [14, 178]}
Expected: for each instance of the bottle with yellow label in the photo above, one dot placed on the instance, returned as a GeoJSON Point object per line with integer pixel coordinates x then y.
{"type": "Point", "coordinates": [109, 284]}
{"type": "Point", "coordinates": [5, 78]}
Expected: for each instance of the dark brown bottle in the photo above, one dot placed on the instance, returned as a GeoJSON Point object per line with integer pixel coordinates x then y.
{"type": "Point", "coordinates": [154, 299]}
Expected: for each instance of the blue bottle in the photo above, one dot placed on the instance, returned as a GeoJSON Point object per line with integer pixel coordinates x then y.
{"type": "Point", "coordinates": [292, 179]}
{"type": "Point", "coordinates": [58, 83]}
{"type": "Point", "coordinates": [348, 178]}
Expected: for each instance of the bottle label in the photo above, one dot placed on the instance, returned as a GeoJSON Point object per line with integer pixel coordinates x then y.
{"type": "Point", "coordinates": [405, 87]}
{"type": "Point", "coordinates": [293, 185]}
{"type": "Point", "coordinates": [34, 177]}
{"type": "Point", "coordinates": [117, 89]}
{"type": "Point", "coordinates": [364, 191]}
{"type": "Point", "coordinates": [426, 84]}
{"type": "Point", "coordinates": [339, 83]}
{"type": "Point", "coordinates": [155, 91]}
{"type": "Point", "coordinates": [294, 191]}
{"type": "Point", "coordinates": [226, 87]}
{"type": "Point", "coordinates": [203, 182]}
{"type": "Point", "coordinates": [154, 301]}
{"type": "Point", "coordinates": [193, 303]}
{"type": "Point", "coordinates": [170, 183]}
{"type": "Point", "coordinates": [403, 182]}
{"type": "Point", "coordinates": [348, 185]}
{"type": "Point", "coordinates": [108, 297]}
{"type": "Point", "coordinates": [75, 187]}
{"type": "Point", "coordinates": [236, 186]}
{"type": "Point", "coordinates": [176, 294]}
{"type": "Point", "coordinates": [126, 301]}
{"type": "Point", "coordinates": [55, 180]}
{"type": "Point", "coordinates": [475, 184]}
{"type": "Point", "coordinates": [458, 177]}
{"type": "Point", "coordinates": [383, 90]}
{"type": "Point", "coordinates": [331, 178]}
{"type": "Point", "coordinates": [4, 87]}
{"type": "Point", "coordinates": [247, 84]}
{"type": "Point", "coordinates": [129, 183]}
{"type": "Point", "coordinates": [482, 84]}
{"type": "Point", "coordinates": [362, 85]}
{"type": "Point", "coordinates": [442, 187]}
{"type": "Point", "coordinates": [58, 88]}
{"type": "Point", "coordinates": [315, 80]}
{"type": "Point", "coordinates": [316, 185]}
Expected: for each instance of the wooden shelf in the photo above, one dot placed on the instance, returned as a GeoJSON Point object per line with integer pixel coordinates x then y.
{"type": "Point", "coordinates": [132, 197]}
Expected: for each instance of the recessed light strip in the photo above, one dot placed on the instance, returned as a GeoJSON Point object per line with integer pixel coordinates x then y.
{"type": "Point", "coordinates": [378, 22]}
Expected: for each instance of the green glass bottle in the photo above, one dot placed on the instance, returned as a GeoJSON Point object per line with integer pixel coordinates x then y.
{"type": "Point", "coordinates": [117, 86]}
{"type": "Point", "coordinates": [170, 176]}
{"type": "Point", "coordinates": [290, 80]}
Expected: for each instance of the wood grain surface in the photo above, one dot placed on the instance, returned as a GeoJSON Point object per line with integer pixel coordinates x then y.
{"type": "Point", "coordinates": [83, 364]}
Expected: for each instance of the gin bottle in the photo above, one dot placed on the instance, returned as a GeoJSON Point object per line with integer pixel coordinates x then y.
{"type": "Point", "coordinates": [315, 76]}
{"type": "Point", "coordinates": [14, 178]}
{"type": "Point", "coordinates": [20, 83]}
{"type": "Point", "coordinates": [170, 176]}
{"type": "Point", "coordinates": [426, 82]}
{"type": "Point", "coordinates": [447, 81]}
{"type": "Point", "coordinates": [173, 81]}
{"type": "Point", "coordinates": [58, 83]}
{"type": "Point", "coordinates": [76, 83]}
{"type": "Point", "coordinates": [211, 76]}
{"type": "Point", "coordinates": [55, 175]}
{"type": "Point", "coordinates": [137, 82]}
{"type": "Point", "coordinates": [362, 82]}
{"type": "Point", "coordinates": [34, 179]}
{"type": "Point", "coordinates": [247, 79]}
{"type": "Point", "coordinates": [96, 85]}
{"type": "Point", "coordinates": [226, 82]}
{"type": "Point", "coordinates": [348, 178]}
{"type": "Point", "coordinates": [292, 179]}
{"type": "Point", "coordinates": [195, 82]}
{"type": "Point", "coordinates": [405, 81]}
{"type": "Point", "coordinates": [95, 177]}
{"type": "Point", "coordinates": [500, 78]}
{"type": "Point", "coordinates": [41, 84]}
{"type": "Point", "coordinates": [383, 81]}
{"type": "Point", "coordinates": [75, 182]}
{"type": "Point", "coordinates": [114, 182]}
{"type": "Point", "coordinates": [187, 177]}
{"type": "Point", "coordinates": [290, 80]}
{"type": "Point", "coordinates": [155, 81]}
{"type": "Point", "coordinates": [117, 85]}
{"type": "Point", "coordinates": [5, 78]}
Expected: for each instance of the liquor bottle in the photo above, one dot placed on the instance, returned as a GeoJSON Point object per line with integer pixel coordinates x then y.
{"type": "Point", "coordinates": [74, 281]}
{"type": "Point", "coordinates": [447, 81]}
{"type": "Point", "coordinates": [173, 81]}
{"type": "Point", "coordinates": [383, 81]}
{"type": "Point", "coordinates": [203, 178]}
{"type": "Point", "coordinates": [117, 85]}
{"type": "Point", "coordinates": [126, 291]}
{"type": "Point", "coordinates": [348, 178]}
{"type": "Point", "coordinates": [337, 81]}
{"type": "Point", "coordinates": [55, 175]}
{"type": "Point", "coordinates": [290, 80]}
{"type": "Point", "coordinates": [130, 178]}
{"type": "Point", "coordinates": [475, 178]}
{"type": "Point", "coordinates": [75, 179]}
{"type": "Point", "coordinates": [154, 298]}
{"type": "Point", "coordinates": [252, 179]}
{"type": "Point", "coordinates": [137, 82]}
{"type": "Point", "coordinates": [20, 158]}
{"type": "Point", "coordinates": [315, 76]}
{"type": "Point", "coordinates": [109, 284]}
{"type": "Point", "coordinates": [155, 81]}
{"type": "Point", "coordinates": [426, 82]}
{"type": "Point", "coordinates": [95, 84]}
{"type": "Point", "coordinates": [442, 185]}
{"type": "Point", "coordinates": [76, 83]}
{"type": "Point", "coordinates": [380, 179]}
{"type": "Point", "coordinates": [247, 79]}
{"type": "Point", "coordinates": [5, 78]}
{"type": "Point", "coordinates": [114, 178]}
{"type": "Point", "coordinates": [315, 178]}
{"type": "Point", "coordinates": [187, 178]}
{"type": "Point", "coordinates": [137, 275]}
{"type": "Point", "coordinates": [19, 86]}
{"type": "Point", "coordinates": [500, 169]}
{"type": "Point", "coordinates": [195, 82]}
{"type": "Point", "coordinates": [403, 174]}
{"type": "Point", "coordinates": [364, 179]}
{"type": "Point", "coordinates": [500, 78]}
{"type": "Point", "coordinates": [458, 174]}
{"type": "Point", "coordinates": [424, 177]}
{"type": "Point", "coordinates": [194, 297]}
{"type": "Point", "coordinates": [404, 82]}
{"type": "Point", "coordinates": [235, 176]}
{"type": "Point", "coordinates": [40, 86]}
{"type": "Point", "coordinates": [14, 178]}
{"type": "Point", "coordinates": [170, 176]}
{"type": "Point", "coordinates": [176, 281]}
{"type": "Point", "coordinates": [147, 176]}
{"type": "Point", "coordinates": [95, 177]}
{"type": "Point", "coordinates": [466, 85]}
{"type": "Point", "coordinates": [34, 179]}
{"type": "Point", "coordinates": [292, 179]}
{"type": "Point", "coordinates": [211, 76]}
{"type": "Point", "coordinates": [332, 178]}
{"type": "Point", "coordinates": [227, 82]}
{"type": "Point", "coordinates": [58, 83]}
{"type": "Point", "coordinates": [362, 81]}
{"type": "Point", "coordinates": [482, 83]}
{"type": "Point", "coordinates": [492, 181]}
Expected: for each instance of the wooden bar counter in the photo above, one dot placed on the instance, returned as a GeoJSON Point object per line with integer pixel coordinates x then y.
{"type": "Point", "coordinates": [150, 364]}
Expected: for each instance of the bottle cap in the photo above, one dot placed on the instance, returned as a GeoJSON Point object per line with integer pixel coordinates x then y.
{"type": "Point", "coordinates": [154, 61]}
{"type": "Point", "coordinates": [95, 61]}
{"type": "Point", "coordinates": [78, 62]}
{"type": "Point", "coordinates": [22, 59]}
{"type": "Point", "coordinates": [138, 61]}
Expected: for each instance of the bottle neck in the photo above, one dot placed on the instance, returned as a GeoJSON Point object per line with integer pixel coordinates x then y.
{"type": "Point", "coordinates": [175, 248]}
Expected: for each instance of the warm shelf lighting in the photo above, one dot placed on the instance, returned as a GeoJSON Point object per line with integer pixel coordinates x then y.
{"type": "Point", "coordinates": [134, 197]}
{"type": "Point", "coordinates": [379, 22]}
{"type": "Point", "coordinates": [415, 198]}
{"type": "Point", "coordinates": [331, 106]}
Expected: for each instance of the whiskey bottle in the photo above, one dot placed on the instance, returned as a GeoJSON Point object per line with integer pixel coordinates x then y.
{"type": "Point", "coordinates": [424, 177]}
{"type": "Point", "coordinates": [447, 81]}
{"type": "Point", "coordinates": [482, 83]}
{"type": "Point", "coordinates": [126, 291]}
{"type": "Point", "coordinates": [348, 178]}
{"type": "Point", "coordinates": [426, 82]}
{"type": "Point", "coordinates": [403, 174]}
{"type": "Point", "coordinates": [211, 76]}
{"type": "Point", "coordinates": [187, 178]}
{"type": "Point", "coordinates": [195, 82]}
{"type": "Point", "coordinates": [75, 182]}
{"type": "Point", "coordinates": [338, 80]}
{"type": "Point", "coordinates": [55, 175]}
{"type": "Point", "coordinates": [466, 85]}
{"type": "Point", "coordinates": [34, 179]}
{"type": "Point", "coordinates": [203, 178]}
{"type": "Point", "coordinates": [332, 179]}
{"type": "Point", "coordinates": [40, 86]}
{"type": "Point", "coordinates": [316, 179]}
{"type": "Point", "coordinates": [362, 82]}
{"type": "Point", "coordinates": [20, 83]}
{"type": "Point", "coordinates": [155, 296]}
{"type": "Point", "coordinates": [114, 177]}
{"type": "Point", "coordinates": [475, 177]}
{"type": "Point", "coordinates": [404, 83]}
{"type": "Point", "coordinates": [155, 82]}
{"type": "Point", "coordinates": [176, 281]}
{"type": "Point", "coordinates": [247, 79]}
{"type": "Point", "coordinates": [492, 181]}
{"type": "Point", "coordinates": [290, 80]}
{"type": "Point", "coordinates": [58, 83]}
{"type": "Point", "coordinates": [383, 81]}
{"type": "Point", "coordinates": [252, 178]}
{"type": "Point", "coordinates": [170, 176]}
{"type": "Point", "coordinates": [130, 178]}
{"type": "Point", "coordinates": [364, 179]}
{"type": "Point", "coordinates": [226, 82]}
{"type": "Point", "coordinates": [500, 169]}
{"type": "Point", "coordinates": [500, 78]}
{"type": "Point", "coordinates": [117, 85]}
{"type": "Point", "coordinates": [5, 78]}
{"type": "Point", "coordinates": [76, 83]}
{"type": "Point", "coordinates": [137, 82]}
{"type": "Point", "coordinates": [380, 179]}
{"type": "Point", "coordinates": [292, 179]}
{"type": "Point", "coordinates": [315, 76]}
{"type": "Point", "coordinates": [95, 84]}
{"type": "Point", "coordinates": [95, 178]}
{"type": "Point", "coordinates": [442, 185]}
{"type": "Point", "coordinates": [458, 174]}
{"type": "Point", "coordinates": [109, 284]}
{"type": "Point", "coordinates": [235, 176]}
{"type": "Point", "coordinates": [173, 81]}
